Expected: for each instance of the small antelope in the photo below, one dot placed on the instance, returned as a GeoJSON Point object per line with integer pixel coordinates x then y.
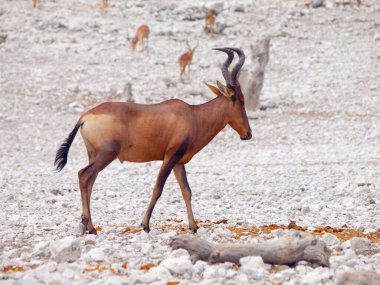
{"type": "Point", "coordinates": [172, 131]}
{"type": "Point", "coordinates": [104, 4]}
{"type": "Point", "coordinates": [209, 27]}
{"type": "Point", "coordinates": [185, 60]}
{"type": "Point", "coordinates": [141, 35]}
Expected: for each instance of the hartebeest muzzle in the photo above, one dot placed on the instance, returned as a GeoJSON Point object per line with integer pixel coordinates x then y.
{"type": "Point", "coordinates": [248, 136]}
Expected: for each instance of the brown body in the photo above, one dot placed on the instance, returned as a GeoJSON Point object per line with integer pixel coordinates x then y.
{"type": "Point", "coordinates": [35, 2]}
{"type": "Point", "coordinates": [166, 126]}
{"type": "Point", "coordinates": [142, 34]}
{"type": "Point", "coordinates": [209, 26]}
{"type": "Point", "coordinates": [172, 131]}
{"type": "Point", "coordinates": [185, 61]}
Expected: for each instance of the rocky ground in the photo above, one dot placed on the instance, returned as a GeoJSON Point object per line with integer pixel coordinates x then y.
{"type": "Point", "coordinates": [314, 157]}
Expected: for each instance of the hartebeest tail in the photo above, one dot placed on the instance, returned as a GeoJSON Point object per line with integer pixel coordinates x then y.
{"type": "Point", "coordinates": [172, 131]}
{"type": "Point", "coordinates": [61, 155]}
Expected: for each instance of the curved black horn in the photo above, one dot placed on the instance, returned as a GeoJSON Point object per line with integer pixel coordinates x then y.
{"type": "Point", "coordinates": [226, 64]}
{"type": "Point", "coordinates": [236, 69]}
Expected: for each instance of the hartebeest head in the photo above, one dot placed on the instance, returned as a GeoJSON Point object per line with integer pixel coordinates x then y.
{"type": "Point", "coordinates": [236, 115]}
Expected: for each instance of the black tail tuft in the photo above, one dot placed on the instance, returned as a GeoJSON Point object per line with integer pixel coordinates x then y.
{"type": "Point", "coordinates": [61, 155]}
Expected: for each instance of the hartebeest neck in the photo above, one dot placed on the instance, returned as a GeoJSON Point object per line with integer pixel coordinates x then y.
{"type": "Point", "coordinates": [210, 119]}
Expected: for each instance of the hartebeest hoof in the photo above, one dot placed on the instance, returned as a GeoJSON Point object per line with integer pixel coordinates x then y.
{"type": "Point", "coordinates": [145, 228]}
{"type": "Point", "coordinates": [83, 228]}
{"type": "Point", "coordinates": [194, 229]}
{"type": "Point", "coordinates": [92, 231]}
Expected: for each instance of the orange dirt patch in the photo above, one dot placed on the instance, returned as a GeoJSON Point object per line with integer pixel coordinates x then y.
{"type": "Point", "coordinates": [131, 230]}
{"type": "Point", "coordinates": [342, 233]}
{"type": "Point", "coordinates": [124, 265]}
{"type": "Point", "coordinates": [148, 266]}
{"type": "Point", "coordinates": [98, 268]}
{"type": "Point", "coordinates": [11, 268]}
{"type": "Point", "coordinates": [174, 220]}
{"type": "Point", "coordinates": [345, 234]}
{"type": "Point", "coordinates": [239, 230]}
{"type": "Point", "coordinates": [98, 228]}
{"type": "Point", "coordinates": [172, 283]}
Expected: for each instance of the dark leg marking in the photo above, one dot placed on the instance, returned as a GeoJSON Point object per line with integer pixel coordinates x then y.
{"type": "Point", "coordinates": [165, 170]}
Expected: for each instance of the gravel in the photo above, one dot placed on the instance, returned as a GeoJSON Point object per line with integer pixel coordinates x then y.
{"type": "Point", "coordinates": [314, 157]}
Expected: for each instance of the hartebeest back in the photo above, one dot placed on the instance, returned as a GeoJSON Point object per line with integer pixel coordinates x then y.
{"type": "Point", "coordinates": [172, 131]}
{"type": "Point", "coordinates": [141, 35]}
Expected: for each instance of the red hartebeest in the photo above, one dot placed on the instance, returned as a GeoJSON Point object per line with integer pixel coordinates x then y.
{"type": "Point", "coordinates": [209, 27]}
{"type": "Point", "coordinates": [141, 35]}
{"type": "Point", "coordinates": [185, 60]}
{"type": "Point", "coordinates": [172, 131]}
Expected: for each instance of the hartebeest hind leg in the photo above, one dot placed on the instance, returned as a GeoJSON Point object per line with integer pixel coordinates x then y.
{"type": "Point", "coordinates": [180, 174]}
{"type": "Point", "coordinates": [87, 177]}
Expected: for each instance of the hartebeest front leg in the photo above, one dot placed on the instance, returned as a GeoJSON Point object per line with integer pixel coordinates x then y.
{"type": "Point", "coordinates": [180, 174]}
{"type": "Point", "coordinates": [165, 170]}
{"type": "Point", "coordinates": [170, 161]}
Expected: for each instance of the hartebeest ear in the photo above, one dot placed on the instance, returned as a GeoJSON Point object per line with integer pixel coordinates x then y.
{"type": "Point", "coordinates": [214, 89]}
{"type": "Point", "coordinates": [226, 91]}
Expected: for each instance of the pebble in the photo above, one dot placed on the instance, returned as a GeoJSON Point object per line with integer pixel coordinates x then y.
{"type": "Point", "coordinates": [357, 277]}
{"type": "Point", "coordinates": [95, 254]}
{"type": "Point", "coordinates": [330, 239]}
{"type": "Point", "coordinates": [360, 244]}
{"type": "Point", "coordinates": [317, 3]}
{"type": "Point", "coordinates": [253, 267]}
{"type": "Point", "coordinates": [312, 155]}
{"type": "Point", "coordinates": [41, 249]}
{"type": "Point", "coordinates": [178, 264]}
{"type": "Point", "coordinates": [214, 271]}
{"type": "Point", "coordinates": [319, 275]}
{"type": "Point", "coordinates": [90, 239]}
{"type": "Point", "coordinates": [67, 249]}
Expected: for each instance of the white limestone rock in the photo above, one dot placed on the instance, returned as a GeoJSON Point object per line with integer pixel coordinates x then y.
{"type": "Point", "coordinates": [90, 239]}
{"type": "Point", "coordinates": [253, 267]}
{"type": "Point", "coordinates": [41, 249]}
{"type": "Point", "coordinates": [361, 277]}
{"type": "Point", "coordinates": [320, 275]}
{"type": "Point", "coordinates": [95, 254]}
{"type": "Point", "coordinates": [67, 249]}
{"type": "Point", "coordinates": [214, 271]}
{"type": "Point", "coordinates": [360, 244]}
{"type": "Point", "coordinates": [330, 239]}
{"type": "Point", "coordinates": [178, 264]}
